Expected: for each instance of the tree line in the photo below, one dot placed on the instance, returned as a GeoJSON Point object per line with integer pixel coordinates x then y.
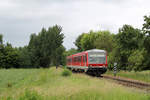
{"type": "Point", "coordinates": [130, 47]}
{"type": "Point", "coordinates": [44, 49]}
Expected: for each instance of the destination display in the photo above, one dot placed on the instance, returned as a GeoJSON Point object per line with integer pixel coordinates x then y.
{"type": "Point", "coordinates": [97, 55]}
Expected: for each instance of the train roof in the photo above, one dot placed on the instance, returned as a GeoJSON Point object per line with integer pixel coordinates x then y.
{"type": "Point", "coordinates": [92, 50]}
{"type": "Point", "coordinates": [95, 50]}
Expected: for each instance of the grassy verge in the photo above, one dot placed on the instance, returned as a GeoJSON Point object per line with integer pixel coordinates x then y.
{"type": "Point", "coordinates": [142, 76]}
{"type": "Point", "coordinates": [50, 84]}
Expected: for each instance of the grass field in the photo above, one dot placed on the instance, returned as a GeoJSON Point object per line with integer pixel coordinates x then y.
{"type": "Point", "coordinates": [142, 76]}
{"type": "Point", "coordinates": [49, 84]}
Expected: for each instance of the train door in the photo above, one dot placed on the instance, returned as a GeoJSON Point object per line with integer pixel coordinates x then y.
{"type": "Point", "coordinates": [85, 59]}
{"type": "Point", "coordinates": [82, 60]}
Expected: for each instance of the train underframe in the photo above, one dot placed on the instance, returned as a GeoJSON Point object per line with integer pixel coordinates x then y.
{"type": "Point", "coordinates": [97, 71]}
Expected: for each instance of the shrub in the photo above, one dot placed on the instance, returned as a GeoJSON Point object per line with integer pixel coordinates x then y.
{"type": "Point", "coordinates": [136, 59]}
{"type": "Point", "coordinates": [66, 72]}
{"type": "Point", "coordinates": [9, 85]}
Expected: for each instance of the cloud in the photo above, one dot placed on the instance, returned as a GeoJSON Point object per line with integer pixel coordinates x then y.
{"type": "Point", "coordinates": [20, 18]}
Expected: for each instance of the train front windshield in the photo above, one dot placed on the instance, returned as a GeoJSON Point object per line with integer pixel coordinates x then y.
{"type": "Point", "coordinates": [97, 58]}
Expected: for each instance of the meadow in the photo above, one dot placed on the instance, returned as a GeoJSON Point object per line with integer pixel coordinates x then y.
{"type": "Point", "coordinates": [140, 75]}
{"type": "Point", "coordinates": [51, 84]}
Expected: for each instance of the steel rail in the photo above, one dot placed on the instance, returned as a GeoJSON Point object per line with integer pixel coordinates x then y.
{"type": "Point", "coordinates": [129, 82]}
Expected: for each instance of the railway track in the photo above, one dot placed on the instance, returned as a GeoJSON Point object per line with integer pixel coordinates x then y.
{"type": "Point", "coordinates": [125, 81]}
{"type": "Point", "coordinates": [129, 82]}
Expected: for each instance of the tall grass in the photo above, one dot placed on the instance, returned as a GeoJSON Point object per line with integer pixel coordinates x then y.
{"type": "Point", "coordinates": [30, 95]}
{"type": "Point", "coordinates": [49, 84]}
{"type": "Point", "coordinates": [142, 76]}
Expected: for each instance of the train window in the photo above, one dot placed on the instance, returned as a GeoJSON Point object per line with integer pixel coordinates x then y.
{"type": "Point", "coordinates": [68, 60]}
{"type": "Point", "coordinates": [83, 58]}
{"type": "Point", "coordinates": [96, 57]}
{"type": "Point", "coordinates": [75, 59]}
{"type": "Point", "coordinates": [79, 58]}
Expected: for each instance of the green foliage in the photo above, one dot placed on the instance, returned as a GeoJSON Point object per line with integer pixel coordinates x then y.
{"type": "Point", "coordinates": [111, 59]}
{"type": "Point", "coordinates": [104, 41]}
{"type": "Point", "coordinates": [1, 39]}
{"type": "Point", "coordinates": [146, 30]}
{"type": "Point", "coordinates": [60, 58]}
{"type": "Point", "coordinates": [71, 52]}
{"type": "Point", "coordinates": [121, 47]}
{"type": "Point", "coordinates": [146, 25]}
{"type": "Point", "coordinates": [8, 56]}
{"type": "Point", "coordinates": [78, 42]}
{"type": "Point", "coordinates": [87, 42]}
{"type": "Point", "coordinates": [46, 48]}
{"type": "Point", "coordinates": [98, 39]}
{"type": "Point", "coordinates": [136, 59]}
{"type": "Point", "coordinates": [128, 39]}
{"type": "Point", "coordinates": [24, 57]}
{"type": "Point", "coordinates": [66, 72]}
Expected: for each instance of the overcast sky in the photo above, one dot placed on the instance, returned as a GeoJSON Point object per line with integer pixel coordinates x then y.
{"type": "Point", "coordinates": [20, 18]}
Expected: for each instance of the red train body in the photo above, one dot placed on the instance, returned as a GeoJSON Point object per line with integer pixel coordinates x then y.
{"type": "Point", "coordinates": [91, 61]}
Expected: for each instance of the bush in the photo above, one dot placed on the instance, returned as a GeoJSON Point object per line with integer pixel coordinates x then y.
{"type": "Point", "coordinates": [9, 85]}
{"type": "Point", "coordinates": [136, 59]}
{"type": "Point", "coordinates": [66, 72]}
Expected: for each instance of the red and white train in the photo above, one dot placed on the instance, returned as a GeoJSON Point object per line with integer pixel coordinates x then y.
{"type": "Point", "coordinates": [91, 61]}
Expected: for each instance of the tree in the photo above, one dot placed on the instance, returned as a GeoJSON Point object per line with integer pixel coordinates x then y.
{"type": "Point", "coordinates": [60, 56]}
{"type": "Point", "coordinates": [45, 46]}
{"type": "Point", "coordinates": [146, 30]}
{"type": "Point", "coordinates": [87, 41]}
{"type": "Point", "coordinates": [128, 39]}
{"type": "Point", "coordinates": [8, 57]}
{"type": "Point", "coordinates": [24, 57]}
{"type": "Point", "coordinates": [34, 50]}
{"type": "Point", "coordinates": [104, 41]}
{"type": "Point", "coordinates": [99, 39]}
{"type": "Point", "coordinates": [78, 42]}
{"type": "Point", "coordinates": [136, 59]}
{"type": "Point", "coordinates": [146, 25]}
{"type": "Point", "coordinates": [1, 39]}
{"type": "Point", "coordinates": [71, 52]}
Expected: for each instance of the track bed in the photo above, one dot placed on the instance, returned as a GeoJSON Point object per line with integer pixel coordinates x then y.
{"type": "Point", "coordinates": [129, 82]}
